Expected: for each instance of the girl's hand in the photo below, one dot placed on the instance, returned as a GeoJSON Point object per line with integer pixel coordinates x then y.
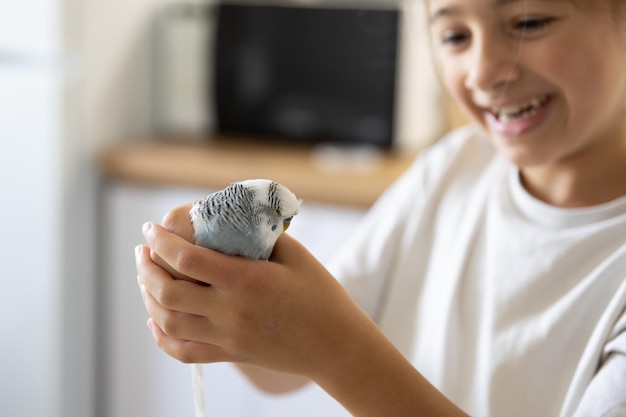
{"type": "Point", "coordinates": [286, 313]}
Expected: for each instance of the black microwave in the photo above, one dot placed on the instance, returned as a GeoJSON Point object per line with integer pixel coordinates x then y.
{"type": "Point", "coordinates": [306, 73]}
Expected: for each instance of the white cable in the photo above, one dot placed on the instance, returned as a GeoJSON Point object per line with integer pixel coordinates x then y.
{"type": "Point", "coordinates": [198, 391]}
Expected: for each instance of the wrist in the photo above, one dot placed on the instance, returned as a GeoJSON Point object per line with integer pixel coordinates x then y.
{"type": "Point", "coordinates": [370, 377]}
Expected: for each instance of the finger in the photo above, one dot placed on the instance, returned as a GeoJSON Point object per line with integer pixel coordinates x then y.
{"type": "Point", "coordinates": [175, 324]}
{"type": "Point", "coordinates": [168, 292]}
{"type": "Point", "coordinates": [184, 350]}
{"type": "Point", "coordinates": [178, 221]}
{"type": "Point", "coordinates": [287, 249]}
{"type": "Point", "coordinates": [193, 261]}
{"type": "Point", "coordinates": [175, 274]}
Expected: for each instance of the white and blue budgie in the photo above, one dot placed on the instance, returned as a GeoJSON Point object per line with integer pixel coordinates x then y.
{"type": "Point", "coordinates": [244, 219]}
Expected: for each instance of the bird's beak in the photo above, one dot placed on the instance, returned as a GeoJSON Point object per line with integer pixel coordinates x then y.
{"type": "Point", "coordinates": [286, 223]}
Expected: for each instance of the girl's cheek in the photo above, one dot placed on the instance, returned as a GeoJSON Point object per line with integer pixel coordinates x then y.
{"type": "Point", "coordinates": [454, 84]}
{"type": "Point", "coordinates": [452, 75]}
{"type": "Point", "coordinates": [452, 72]}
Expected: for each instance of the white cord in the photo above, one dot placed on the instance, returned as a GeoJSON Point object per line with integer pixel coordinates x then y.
{"type": "Point", "coordinates": [198, 391]}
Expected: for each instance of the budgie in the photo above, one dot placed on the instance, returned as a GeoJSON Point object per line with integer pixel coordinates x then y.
{"type": "Point", "coordinates": [244, 219]}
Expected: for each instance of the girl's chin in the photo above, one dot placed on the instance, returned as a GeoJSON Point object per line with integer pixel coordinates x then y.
{"type": "Point", "coordinates": [523, 156]}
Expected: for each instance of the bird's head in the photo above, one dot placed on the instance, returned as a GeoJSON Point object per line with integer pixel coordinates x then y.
{"type": "Point", "coordinates": [277, 201]}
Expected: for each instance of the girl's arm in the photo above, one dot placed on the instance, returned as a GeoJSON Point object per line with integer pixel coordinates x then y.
{"type": "Point", "coordinates": [288, 314]}
{"type": "Point", "coordinates": [272, 382]}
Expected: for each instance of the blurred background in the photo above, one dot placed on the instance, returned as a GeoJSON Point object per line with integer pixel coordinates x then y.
{"type": "Point", "coordinates": [79, 78]}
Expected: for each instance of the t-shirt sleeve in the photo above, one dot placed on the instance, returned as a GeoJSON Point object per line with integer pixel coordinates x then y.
{"type": "Point", "coordinates": [606, 394]}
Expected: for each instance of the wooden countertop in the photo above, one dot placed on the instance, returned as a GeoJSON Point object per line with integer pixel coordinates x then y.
{"type": "Point", "coordinates": [320, 174]}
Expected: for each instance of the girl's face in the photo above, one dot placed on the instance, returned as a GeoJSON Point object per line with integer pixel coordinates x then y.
{"type": "Point", "coordinates": [545, 78]}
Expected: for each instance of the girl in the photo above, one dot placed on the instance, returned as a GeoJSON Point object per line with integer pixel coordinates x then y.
{"type": "Point", "coordinates": [489, 280]}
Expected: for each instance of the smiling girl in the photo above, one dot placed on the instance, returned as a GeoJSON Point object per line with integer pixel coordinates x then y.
{"type": "Point", "coordinates": [546, 80]}
{"type": "Point", "coordinates": [489, 280]}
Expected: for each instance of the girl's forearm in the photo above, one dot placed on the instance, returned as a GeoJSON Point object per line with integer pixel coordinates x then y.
{"type": "Point", "coordinates": [371, 378]}
{"type": "Point", "coordinates": [272, 382]}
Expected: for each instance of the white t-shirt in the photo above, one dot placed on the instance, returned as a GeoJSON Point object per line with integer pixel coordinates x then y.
{"type": "Point", "coordinates": [508, 305]}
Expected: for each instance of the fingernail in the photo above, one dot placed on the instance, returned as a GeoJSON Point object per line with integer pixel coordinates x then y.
{"type": "Point", "coordinates": [147, 227]}
{"type": "Point", "coordinates": [137, 251]}
{"type": "Point", "coordinates": [149, 324]}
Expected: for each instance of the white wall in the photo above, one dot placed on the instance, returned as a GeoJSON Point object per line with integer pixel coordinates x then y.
{"type": "Point", "coordinates": [116, 60]}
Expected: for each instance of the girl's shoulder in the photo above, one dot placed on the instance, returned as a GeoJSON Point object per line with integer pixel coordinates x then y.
{"type": "Point", "coordinates": [463, 153]}
{"type": "Point", "coordinates": [464, 142]}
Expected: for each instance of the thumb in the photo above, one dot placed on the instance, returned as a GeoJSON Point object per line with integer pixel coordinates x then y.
{"type": "Point", "coordinates": [178, 221]}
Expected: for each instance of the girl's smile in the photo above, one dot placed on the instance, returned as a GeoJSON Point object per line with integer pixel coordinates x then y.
{"type": "Point", "coordinates": [545, 79]}
{"type": "Point", "coordinates": [518, 117]}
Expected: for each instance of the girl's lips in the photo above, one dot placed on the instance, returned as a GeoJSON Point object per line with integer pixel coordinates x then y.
{"type": "Point", "coordinates": [522, 125]}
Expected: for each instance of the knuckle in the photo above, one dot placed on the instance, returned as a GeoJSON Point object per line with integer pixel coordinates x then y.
{"type": "Point", "coordinates": [170, 326]}
{"type": "Point", "coordinates": [167, 297]}
{"type": "Point", "coordinates": [185, 259]}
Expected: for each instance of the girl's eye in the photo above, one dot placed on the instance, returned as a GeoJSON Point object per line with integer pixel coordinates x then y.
{"type": "Point", "coordinates": [533, 24]}
{"type": "Point", "coordinates": [453, 38]}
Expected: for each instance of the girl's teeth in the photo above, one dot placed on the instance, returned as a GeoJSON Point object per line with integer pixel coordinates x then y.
{"type": "Point", "coordinates": [510, 113]}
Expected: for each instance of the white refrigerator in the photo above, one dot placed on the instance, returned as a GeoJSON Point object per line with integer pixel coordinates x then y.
{"type": "Point", "coordinates": [46, 342]}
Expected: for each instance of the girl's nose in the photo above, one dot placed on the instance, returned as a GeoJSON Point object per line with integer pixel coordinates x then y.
{"type": "Point", "coordinates": [494, 64]}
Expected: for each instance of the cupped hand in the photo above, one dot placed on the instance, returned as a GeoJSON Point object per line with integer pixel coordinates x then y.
{"type": "Point", "coordinates": [287, 314]}
{"type": "Point", "coordinates": [176, 221]}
